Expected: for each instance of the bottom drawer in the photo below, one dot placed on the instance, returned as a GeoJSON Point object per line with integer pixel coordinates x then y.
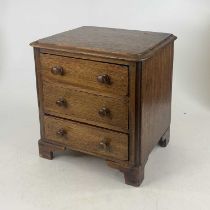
{"type": "Point", "coordinates": [86, 138]}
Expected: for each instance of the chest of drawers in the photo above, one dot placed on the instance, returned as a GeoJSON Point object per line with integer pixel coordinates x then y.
{"type": "Point", "coordinates": [105, 92]}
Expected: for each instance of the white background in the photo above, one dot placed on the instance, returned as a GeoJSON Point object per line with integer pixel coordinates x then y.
{"type": "Point", "coordinates": [175, 178]}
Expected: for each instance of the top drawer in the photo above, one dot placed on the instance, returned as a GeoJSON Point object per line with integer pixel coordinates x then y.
{"type": "Point", "coordinates": [86, 74]}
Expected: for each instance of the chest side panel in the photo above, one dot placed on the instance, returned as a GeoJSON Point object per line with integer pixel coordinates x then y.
{"type": "Point", "coordinates": [156, 84]}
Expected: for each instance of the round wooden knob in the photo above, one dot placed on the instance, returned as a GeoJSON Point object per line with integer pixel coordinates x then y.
{"type": "Point", "coordinates": [61, 132]}
{"type": "Point", "coordinates": [57, 70]}
{"type": "Point", "coordinates": [105, 79]}
{"type": "Point", "coordinates": [104, 145]}
{"type": "Point", "coordinates": [104, 112]}
{"type": "Point", "coordinates": [61, 102]}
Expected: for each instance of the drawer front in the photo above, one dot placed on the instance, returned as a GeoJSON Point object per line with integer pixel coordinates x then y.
{"type": "Point", "coordinates": [85, 107]}
{"type": "Point", "coordinates": [90, 75]}
{"type": "Point", "coordinates": [85, 138]}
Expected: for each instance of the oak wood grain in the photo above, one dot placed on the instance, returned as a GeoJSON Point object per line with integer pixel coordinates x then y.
{"type": "Point", "coordinates": [105, 42]}
{"type": "Point", "coordinates": [39, 89]}
{"type": "Point", "coordinates": [85, 107]}
{"type": "Point", "coordinates": [132, 114]}
{"type": "Point", "coordinates": [156, 88]}
{"type": "Point", "coordinates": [84, 73]}
{"type": "Point", "coordinates": [46, 149]}
{"type": "Point", "coordinates": [85, 57]}
{"type": "Point", "coordinates": [87, 138]}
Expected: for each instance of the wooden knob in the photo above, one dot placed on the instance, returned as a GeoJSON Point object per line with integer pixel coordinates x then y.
{"type": "Point", "coordinates": [57, 70]}
{"type": "Point", "coordinates": [104, 112]}
{"type": "Point", "coordinates": [105, 79]}
{"type": "Point", "coordinates": [61, 132]}
{"type": "Point", "coordinates": [61, 102]}
{"type": "Point", "coordinates": [104, 145]}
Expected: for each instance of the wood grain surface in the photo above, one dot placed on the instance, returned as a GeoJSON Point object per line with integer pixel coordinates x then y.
{"type": "Point", "coordinates": [85, 107]}
{"type": "Point", "coordinates": [156, 87]}
{"type": "Point", "coordinates": [87, 138]}
{"type": "Point", "coordinates": [105, 42]}
{"type": "Point", "coordinates": [84, 74]}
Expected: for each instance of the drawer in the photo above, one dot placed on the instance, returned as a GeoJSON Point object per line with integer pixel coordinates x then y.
{"type": "Point", "coordinates": [85, 74]}
{"type": "Point", "coordinates": [94, 109]}
{"type": "Point", "coordinates": [85, 138]}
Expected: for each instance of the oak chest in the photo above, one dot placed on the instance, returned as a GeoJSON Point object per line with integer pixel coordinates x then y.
{"type": "Point", "coordinates": [105, 92]}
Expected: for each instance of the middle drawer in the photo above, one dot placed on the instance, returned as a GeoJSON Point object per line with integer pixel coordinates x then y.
{"type": "Point", "coordinates": [97, 110]}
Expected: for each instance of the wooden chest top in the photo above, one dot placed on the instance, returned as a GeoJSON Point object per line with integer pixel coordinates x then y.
{"type": "Point", "coordinates": [106, 42]}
